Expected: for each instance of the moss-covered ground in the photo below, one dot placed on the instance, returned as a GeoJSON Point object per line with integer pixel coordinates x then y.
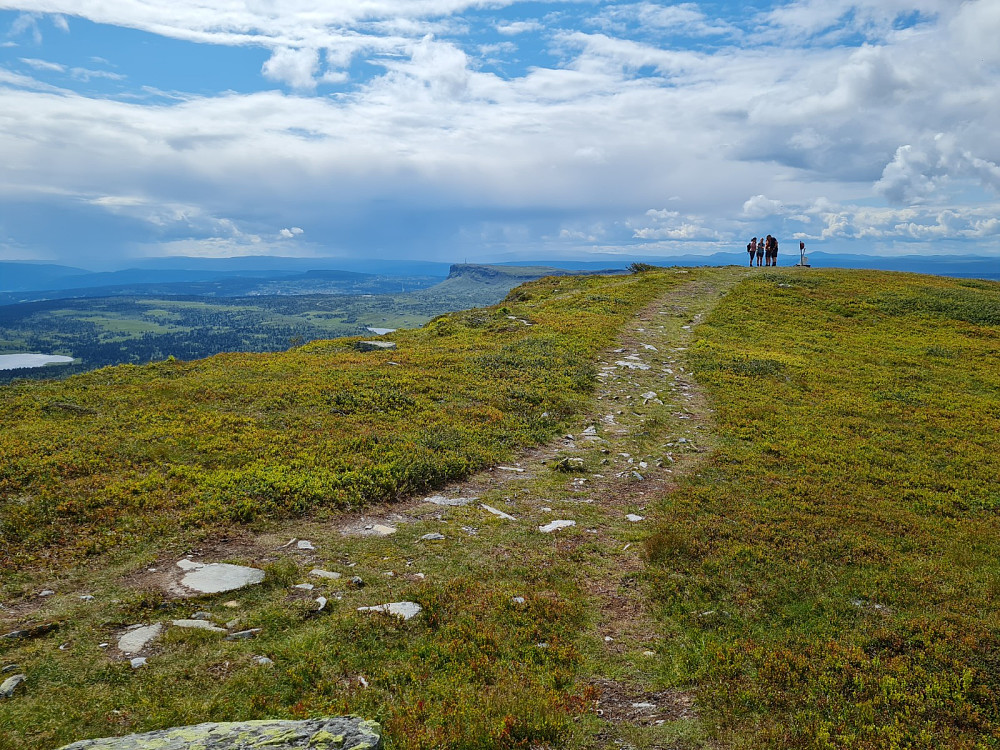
{"type": "Point", "coordinates": [816, 474]}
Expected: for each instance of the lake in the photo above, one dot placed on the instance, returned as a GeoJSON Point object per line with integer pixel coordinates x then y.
{"type": "Point", "coordinates": [17, 361]}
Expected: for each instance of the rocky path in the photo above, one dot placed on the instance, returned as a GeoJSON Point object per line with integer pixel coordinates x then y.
{"type": "Point", "coordinates": [589, 497]}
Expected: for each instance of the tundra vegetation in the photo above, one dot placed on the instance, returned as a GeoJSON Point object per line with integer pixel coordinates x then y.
{"type": "Point", "coordinates": [825, 577]}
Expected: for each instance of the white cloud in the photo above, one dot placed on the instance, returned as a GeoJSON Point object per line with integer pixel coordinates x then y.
{"type": "Point", "coordinates": [761, 207]}
{"type": "Point", "coordinates": [295, 67]}
{"type": "Point", "coordinates": [290, 233]}
{"type": "Point", "coordinates": [519, 27]}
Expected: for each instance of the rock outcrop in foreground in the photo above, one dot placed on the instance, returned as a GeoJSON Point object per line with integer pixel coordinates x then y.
{"type": "Point", "coordinates": [341, 733]}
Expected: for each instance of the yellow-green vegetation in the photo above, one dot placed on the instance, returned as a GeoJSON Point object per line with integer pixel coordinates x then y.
{"type": "Point", "coordinates": [830, 576]}
{"type": "Point", "coordinates": [825, 577]}
{"type": "Point", "coordinates": [126, 453]}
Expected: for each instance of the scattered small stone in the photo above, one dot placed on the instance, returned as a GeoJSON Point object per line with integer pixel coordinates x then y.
{"type": "Point", "coordinates": [46, 592]}
{"type": "Point", "coordinates": [103, 645]}
{"type": "Point", "coordinates": [32, 632]}
{"type": "Point", "coordinates": [632, 365]}
{"type": "Point", "coordinates": [432, 537]}
{"type": "Point", "coordinates": [264, 661]}
{"type": "Point", "coordinates": [637, 475]}
{"type": "Point", "coordinates": [379, 529]}
{"type": "Point", "coordinates": [634, 518]}
{"type": "Point", "coordinates": [324, 573]}
{"type": "Point", "coordinates": [389, 573]}
{"type": "Point", "coordinates": [555, 526]}
{"type": "Point", "coordinates": [198, 625]}
{"type": "Point", "coordinates": [321, 601]}
{"type": "Point", "coordinates": [608, 639]}
{"type": "Point", "coordinates": [497, 512]}
{"type": "Point", "coordinates": [406, 610]}
{"type": "Point", "coordinates": [64, 647]}
{"type": "Point", "coordinates": [518, 600]}
{"type": "Point", "coordinates": [305, 544]}
{"type": "Point", "coordinates": [543, 644]}
{"type": "Point", "coordinates": [138, 661]}
{"type": "Point", "coordinates": [592, 430]}
{"type": "Point", "coordinates": [10, 668]}
{"type": "Point", "coordinates": [243, 635]}
{"type": "Point", "coordinates": [87, 598]}
{"type": "Point", "coordinates": [644, 705]}
{"type": "Point", "coordinates": [201, 616]}
{"type": "Point", "coordinates": [231, 604]}
{"type": "Point", "coordinates": [511, 468]}
{"type": "Point", "coordinates": [304, 586]}
{"type": "Point", "coordinates": [357, 582]}
{"type": "Point", "coordinates": [648, 653]}
{"type": "Point", "coordinates": [136, 638]}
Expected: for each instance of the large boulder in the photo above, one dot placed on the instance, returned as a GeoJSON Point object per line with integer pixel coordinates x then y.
{"type": "Point", "coordinates": [339, 733]}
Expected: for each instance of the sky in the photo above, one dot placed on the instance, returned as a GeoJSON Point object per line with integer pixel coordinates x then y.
{"type": "Point", "coordinates": [491, 130]}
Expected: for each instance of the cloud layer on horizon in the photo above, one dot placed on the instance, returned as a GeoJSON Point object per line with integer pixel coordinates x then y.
{"type": "Point", "coordinates": [435, 127]}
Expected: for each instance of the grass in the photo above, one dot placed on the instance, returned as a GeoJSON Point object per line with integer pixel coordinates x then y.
{"type": "Point", "coordinates": [824, 577]}
{"type": "Point", "coordinates": [847, 526]}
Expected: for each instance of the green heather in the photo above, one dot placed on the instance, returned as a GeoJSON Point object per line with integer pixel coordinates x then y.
{"type": "Point", "coordinates": [844, 536]}
{"type": "Point", "coordinates": [821, 571]}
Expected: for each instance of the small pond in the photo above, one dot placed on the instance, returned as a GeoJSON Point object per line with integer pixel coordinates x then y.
{"type": "Point", "coordinates": [17, 361]}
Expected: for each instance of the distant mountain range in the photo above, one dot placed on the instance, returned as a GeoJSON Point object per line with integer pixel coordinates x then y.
{"type": "Point", "coordinates": [229, 277]}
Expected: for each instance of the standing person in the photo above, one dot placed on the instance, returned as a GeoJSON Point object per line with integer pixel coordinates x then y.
{"type": "Point", "coordinates": [752, 249]}
{"type": "Point", "coordinates": [774, 251]}
{"type": "Point", "coordinates": [802, 253]}
{"type": "Point", "coordinates": [760, 250]}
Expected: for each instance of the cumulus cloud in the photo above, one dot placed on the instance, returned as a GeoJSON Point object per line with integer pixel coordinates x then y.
{"type": "Point", "coordinates": [761, 106]}
{"type": "Point", "coordinates": [760, 207]}
{"type": "Point", "coordinates": [294, 67]}
{"type": "Point", "coordinates": [289, 233]}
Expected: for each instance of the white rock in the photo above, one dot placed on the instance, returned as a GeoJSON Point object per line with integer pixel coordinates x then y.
{"type": "Point", "coordinates": [406, 610]}
{"type": "Point", "coordinates": [592, 430]}
{"type": "Point", "coordinates": [432, 537]}
{"type": "Point", "coordinates": [321, 601]}
{"type": "Point", "coordinates": [87, 598]}
{"type": "Point", "coordinates": [138, 637]}
{"type": "Point", "coordinates": [555, 526]}
{"type": "Point", "coordinates": [198, 625]}
{"type": "Point", "coordinates": [650, 347]}
{"type": "Point", "coordinates": [214, 578]}
{"type": "Point", "coordinates": [511, 468]}
{"type": "Point", "coordinates": [497, 512]}
{"type": "Point", "coordinates": [518, 600]}
{"type": "Point", "coordinates": [10, 684]}
{"type": "Point", "coordinates": [264, 661]}
{"type": "Point", "coordinates": [632, 365]}
{"type": "Point", "coordinates": [304, 586]}
{"type": "Point", "coordinates": [139, 661]}
{"type": "Point", "coordinates": [305, 544]}
{"type": "Point", "coordinates": [649, 395]}
{"type": "Point", "coordinates": [644, 705]}
{"type": "Point", "coordinates": [324, 573]}
{"type": "Point", "coordinates": [382, 530]}
{"type": "Point", "coordinates": [634, 518]}
{"type": "Point", "coordinates": [453, 502]}
{"type": "Point", "coordinates": [46, 592]}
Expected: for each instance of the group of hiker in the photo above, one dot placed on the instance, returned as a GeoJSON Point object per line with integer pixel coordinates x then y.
{"type": "Point", "coordinates": [766, 248]}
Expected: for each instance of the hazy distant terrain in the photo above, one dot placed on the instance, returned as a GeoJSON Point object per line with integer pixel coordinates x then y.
{"type": "Point", "coordinates": [281, 312]}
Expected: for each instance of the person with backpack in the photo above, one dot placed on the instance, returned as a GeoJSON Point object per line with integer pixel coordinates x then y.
{"type": "Point", "coordinates": [752, 249]}
{"type": "Point", "coordinates": [760, 250]}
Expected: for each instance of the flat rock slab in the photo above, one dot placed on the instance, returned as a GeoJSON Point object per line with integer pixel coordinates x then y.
{"type": "Point", "coordinates": [314, 734]}
{"type": "Point", "coordinates": [214, 578]}
{"type": "Point", "coordinates": [497, 512]}
{"type": "Point", "coordinates": [452, 502]}
{"type": "Point", "coordinates": [555, 526]}
{"type": "Point", "coordinates": [136, 639]}
{"type": "Point", "coordinates": [374, 346]}
{"type": "Point", "coordinates": [406, 610]}
{"type": "Point", "coordinates": [198, 625]}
